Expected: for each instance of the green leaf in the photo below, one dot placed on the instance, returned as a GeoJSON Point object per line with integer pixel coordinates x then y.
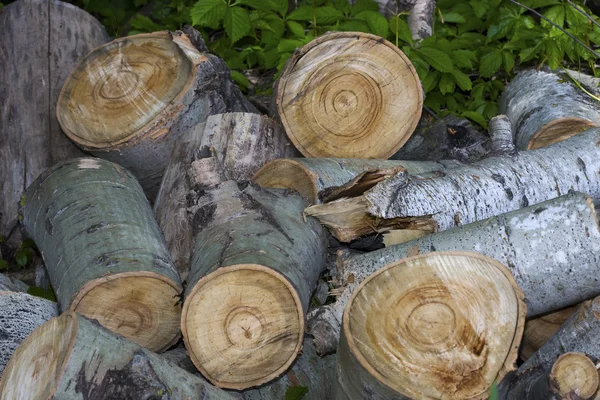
{"type": "Point", "coordinates": [454, 17]}
{"type": "Point", "coordinates": [280, 6]}
{"type": "Point", "coordinates": [208, 13]}
{"type": "Point", "coordinates": [295, 392]}
{"type": "Point", "coordinates": [144, 24]}
{"type": "Point", "coordinates": [508, 60]}
{"type": "Point", "coordinates": [328, 15]}
{"type": "Point", "coordinates": [3, 264]}
{"type": "Point", "coordinates": [354, 25]}
{"type": "Point", "coordinates": [302, 13]}
{"type": "Point", "coordinates": [22, 258]}
{"type": "Point", "coordinates": [240, 79]}
{"type": "Point", "coordinates": [296, 29]}
{"type": "Point", "coordinates": [447, 84]}
{"type": "Point", "coordinates": [289, 45]}
{"type": "Point", "coordinates": [555, 14]}
{"type": "Point", "coordinates": [342, 5]}
{"type": "Point", "coordinates": [436, 58]}
{"type": "Point", "coordinates": [236, 23]}
{"type": "Point", "coordinates": [463, 58]}
{"type": "Point", "coordinates": [41, 292]}
{"type": "Point", "coordinates": [490, 63]}
{"type": "Point", "coordinates": [364, 5]}
{"type": "Point", "coordinates": [528, 53]}
{"type": "Point", "coordinates": [475, 117]}
{"type": "Point", "coordinates": [479, 7]}
{"type": "Point", "coordinates": [400, 28]}
{"type": "Point", "coordinates": [554, 54]}
{"type": "Point", "coordinates": [377, 22]}
{"type": "Point", "coordinates": [431, 80]}
{"type": "Point", "coordinates": [435, 101]}
{"type": "Point", "coordinates": [462, 80]}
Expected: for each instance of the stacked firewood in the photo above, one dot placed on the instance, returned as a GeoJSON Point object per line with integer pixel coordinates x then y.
{"type": "Point", "coordinates": [189, 250]}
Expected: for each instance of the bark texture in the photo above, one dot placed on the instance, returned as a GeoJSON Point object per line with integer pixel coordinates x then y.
{"type": "Point", "coordinates": [71, 357]}
{"type": "Point", "coordinates": [546, 107]}
{"type": "Point", "coordinates": [34, 68]}
{"type": "Point", "coordinates": [420, 20]}
{"type": "Point", "coordinates": [538, 330]}
{"type": "Point", "coordinates": [241, 142]}
{"type": "Point", "coordinates": [103, 249]}
{"type": "Point", "coordinates": [11, 285]}
{"type": "Point", "coordinates": [150, 116]}
{"type": "Point", "coordinates": [21, 315]}
{"type": "Point", "coordinates": [552, 249]}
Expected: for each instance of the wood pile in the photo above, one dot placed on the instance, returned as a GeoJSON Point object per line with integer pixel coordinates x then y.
{"type": "Point", "coordinates": [203, 250]}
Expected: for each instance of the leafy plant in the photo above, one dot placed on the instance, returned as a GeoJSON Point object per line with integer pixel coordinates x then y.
{"type": "Point", "coordinates": [25, 254]}
{"type": "Point", "coordinates": [41, 292]}
{"type": "Point", "coordinates": [295, 392]}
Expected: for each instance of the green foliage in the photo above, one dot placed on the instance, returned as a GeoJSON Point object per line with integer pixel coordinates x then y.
{"type": "Point", "coordinates": [295, 392]}
{"type": "Point", "coordinates": [25, 254]}
{"type": "Point", "coordinates": [41, 292]}
{"type": "Point", "coordinates": [464, 66]}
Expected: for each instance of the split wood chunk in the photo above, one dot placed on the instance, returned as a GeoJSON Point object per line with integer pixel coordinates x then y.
{"type": "Point", "coordinates": [71, 357]}
{"type": "Point", "coordinates": [539, 330]}
{"type": "Point", "coordinates": [129, 100]}
{"type": "Point", "coordinates": [320, 180]}
{"type": "Point", "coordinates": [546, 107]}
{"type": "Point", "coordinates": [104, 251]}
{"type": "Point", "coordinates": [21, 314]}
{"type": "Point", "coordinates": [349, 94]}
{"type": "Point", "coordinates": [436, 326]}
{"type": "Point", "coordinates": [253, 269]}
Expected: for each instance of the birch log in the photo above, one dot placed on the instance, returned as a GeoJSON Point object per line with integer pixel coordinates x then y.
{"type": "Point", "coordinates": [21, 315]}
{"type": "Point", "coordinates": [130, 100]}
{"type": "Point", "coordinates": [9, 284]}
{"type": "Point", "coordinates": [34, 68]}
{"type": "Point", "coordinates": [538, 330]}
{"type": "Point", "coordinates": [420, 17]}
{"type": "Point", "coordinates": [320, 180]}
{"type": "Point", "coordinates": [552, 249]}
{"type": "Point", "coordinates": [242, 143]}
{"type": "Point", "coordinates": [104, 251]}
{"type": "Point", "coordinates": [349, 94]}
{"type": "Point", "coordinates": [71, 357]}
{"type": "Point", "coordinates": [546, 107]}
{"type": "Point", "coordinates": [409, 334]}
{"type": "Point", "coordinates": [254, 266]}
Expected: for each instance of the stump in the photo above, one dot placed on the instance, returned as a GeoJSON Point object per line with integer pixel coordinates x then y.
{"type": "Point", "coordinates": [104, 251]}
{"type": "Point", "coordinates": [408, 333]}
{"type": "Point", "coordinates": [71, 357]}
{"type": "Point", "coordinates": [539, 330]}
{"type": "Point", "coordinates": [130, 100]}
{"type": "Point", "coordinates": [349, 94]}
{"type": "Point", "coordinates": [34, 68]}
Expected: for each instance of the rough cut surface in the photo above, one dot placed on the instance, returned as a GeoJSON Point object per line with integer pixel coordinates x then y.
{"type": "Point", "coordinates": [20, 315]}
{"type": "Point", "coordinates": [40, 43]}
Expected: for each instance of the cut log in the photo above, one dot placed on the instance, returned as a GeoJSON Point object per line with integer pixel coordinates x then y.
{"type": "Point", "coordinates": [254, 266]}
{"type": "Point", "coordinates": [12, 285]}
{"type": "Point", "coordinates": [130, 100]}
{"type": "Point", "coordinates": [539, 330]}
{"type": "Point", "coordinates": [21, 315]}
{"type": "Point", "coordinates": [71, 357]}
{"type": "Point", "coordinates": [409, 334]}
{"type": "Point", "coordinates": [104, 251]}
{"type": "Point", "coordinates": [242, 143]}
{"type": "Point", "coordinates": [349, 94]}
{"type": "Point", "coordinates": [572, 376]}
{"type": "Point", "coordinates": [552, 249]}
{"type": "Point", "coordinates": [320, 180]}
{"type": "Point", "coordinates": [34, 68]}
{"type": "Point", "coordinates": [420, 17]}
{"type": "Point", "coordinates": [546, 107]}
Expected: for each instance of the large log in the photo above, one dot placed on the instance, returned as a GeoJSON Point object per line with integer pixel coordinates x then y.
{"type": "Point", "coordinates": [254, 266]}
{"type": "Point", "coordinates": [349, 94]}
{"type": "Point", "coordinates": [552, 249]}
{"type": "Point", "coordinates": [241, 142]}
{"type": "Point", "coordinates": [34, 68]}
{"type": "Point", "coordinates": [130, 100]}
{"type": "Point", "coordinates": [21, 315]}
{"type": "Point", "coordinates": [104, 251]}
{"type": "Point", "coordinates": [436, 326]}
{"type": "Point", "coordinates": [538, 330]}
{"type": "Point", "coordinates": [71, 357]}
{"type": "Point", "coordinates": [546, 107]}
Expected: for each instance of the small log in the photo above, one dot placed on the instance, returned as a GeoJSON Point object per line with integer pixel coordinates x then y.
{"type": "Point", "coordinates": [255, 264]}
{"type": "Point", "coordinates": [34, 68]}
{"type": "Point", "coordinates": [349, 94]}
{"type": "Point", "coordinates": [320, 180]}
{"type": "Point", "coordinates": [572, 376]}
{"type": "Point", "coordinates": [21, 315]}
{"type": "Point", "coordinates": [130, 100]}
{"type": "Point", "coordinates": [552, 260]}
{"type": "Point", "coordinates": [546, 107]}
{"type": "Point", "coordinates": [242, 143]}
{"type": "Point", "coordinates": [8, 284]}
{"type": "Point", "coordinates": [408, 333]}
{"type": "Point", "coordinates": [539, 330]}
{"type": "Point", "coordinates": [104, 251]}
{"type": "Point", "coordinates": [71, 357]}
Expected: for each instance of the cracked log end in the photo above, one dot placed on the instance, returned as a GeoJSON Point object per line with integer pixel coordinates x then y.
{"type": "Point", "coordinates": [37, 366]}
{"type": "Point", "coordinates": [243, 325]}
{"type": "Point", "coordinates": [289, 174]}
{"type": "Point", "coordinates": [126, 89]}
{"type": "Point", "coordinates": [574, 376]}
{"type": "Point", "coordinates": [349, 94]}
{"type": "Point", "coordinates": [440, 325]}
{"type": "Point", "coordinates": [558, 130]}
{"type": "Point", "coordinates": [539, 330]}
{"type": "Point", "coordinates": [140, 306]}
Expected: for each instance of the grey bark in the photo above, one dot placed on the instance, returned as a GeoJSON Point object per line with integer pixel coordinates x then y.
{"type": "Point", "coordinates": [242, 143]}
{"type": "Point", "coordinates": [493, 186]}
{"type": "Point", "coordinates": [12, 285]}
{"type": "Point", "coordinates": [21, 314]}
{"type": "Point", "coordinates": [501, 135]}
{"type": "Point", "coordinates": [589, 83]}
{"type": "Point", "coordinates": [89, 218]}
{"type": "Point", "coordinates": [35, 63]}
{"type": "Point", "coordinates": [534, 99]}
{"type": "Point", "coordinates": [420, 18]}
{"type": "Point", "coordinates": [552, 249]}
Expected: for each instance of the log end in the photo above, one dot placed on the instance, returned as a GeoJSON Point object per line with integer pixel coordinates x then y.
{"type": "Point", "coordinates": [574, 376]}
{"type": "Point", "coordinates": [289, 174]}
{"type": "Point", "coordinates": [143, 307]}
{"type": "Point", "coordinates": [559, 130]}
{"type": "Point", "coordinates": [243, 325]}
{"type": "Point", "coordinates": [539, 330]}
